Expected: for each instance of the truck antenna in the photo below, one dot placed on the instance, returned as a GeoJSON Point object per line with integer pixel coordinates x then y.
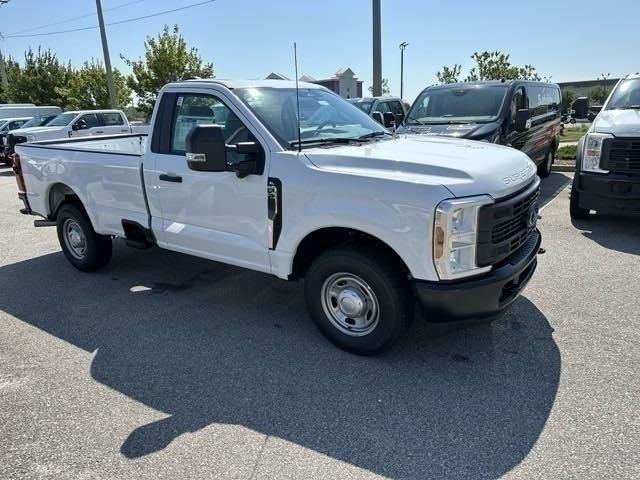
{"type": "Point", "coordinates": [295, 61]}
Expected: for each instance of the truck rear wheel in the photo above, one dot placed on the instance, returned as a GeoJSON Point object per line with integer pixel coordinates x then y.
{"type": "Point", "coordinates": [84, 248]}
{"type": "Point", "coordinates": [359, 299]}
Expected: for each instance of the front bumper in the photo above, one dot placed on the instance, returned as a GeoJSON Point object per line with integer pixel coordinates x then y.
{"type": "Point", "coordinates": [486, 297]}
{"type": "Point", "coordinates": [609, 193]}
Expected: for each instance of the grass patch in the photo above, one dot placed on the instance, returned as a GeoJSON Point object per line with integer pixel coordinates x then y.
{"type": "Point", "coordinates": [573, 134]}
{"type": "Point", "coordinates": [568, 152]}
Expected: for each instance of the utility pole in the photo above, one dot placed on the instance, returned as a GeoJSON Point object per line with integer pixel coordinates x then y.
{"type": "Point", "coordinates": [403, 45]}
{"type": "Point", "coordinates": [377, 50]}
{"type": "Point", "coordinates": [107, 59]}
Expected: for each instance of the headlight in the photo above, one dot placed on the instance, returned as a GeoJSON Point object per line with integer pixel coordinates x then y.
{"type": "Point", "coordinates": [31, 138]}
{"type": "Point", "coordinates": [455, 237]}
{"type": "Point", "coordinates": [593, 152]}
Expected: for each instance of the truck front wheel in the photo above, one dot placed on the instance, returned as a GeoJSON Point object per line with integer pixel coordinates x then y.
{"type": "Point", "coordinates": [84, 248]}
{"type": "Point", "coordinates": [359, 299]}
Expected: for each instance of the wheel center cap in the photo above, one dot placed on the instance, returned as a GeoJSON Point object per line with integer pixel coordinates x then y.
{"type": "Point", "coordinates": [75, 239]}
{"type": "Point", "coordinates": [351, 303]}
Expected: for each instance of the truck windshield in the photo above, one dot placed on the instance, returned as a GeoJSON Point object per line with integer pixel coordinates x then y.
{"type": "Point", "coordinates": [466, 104]}
{"type": "Point", "coordinates": [324, 117]}
{"type": "Point", "coordinates": [626, 96]}
{"type": "Point", "coordinates": [62, 120]}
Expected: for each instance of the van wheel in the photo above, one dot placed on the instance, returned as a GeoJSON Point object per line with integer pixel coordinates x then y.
{"type": "Point", "coordinates": [359, 299]}
{"type": "Point", "coordinates": [84, 248]}
{"type": "Point", "coordinates": [544, 169]}
{"type": "Point", "coordinates": [575, 211]}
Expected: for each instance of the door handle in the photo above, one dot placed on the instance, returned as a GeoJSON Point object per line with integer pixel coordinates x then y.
{"type": "Point", "coordinates": [170, 177]}
{"type": "Point", "coordinates": [99, 131]}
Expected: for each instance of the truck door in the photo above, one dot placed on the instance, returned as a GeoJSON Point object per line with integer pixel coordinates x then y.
{"type": "Point", "coordinates": [87, 124]}
{"type": "Point", "coordinates": [215, 215]}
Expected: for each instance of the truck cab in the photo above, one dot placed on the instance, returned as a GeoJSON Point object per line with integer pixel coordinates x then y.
{"type": "Point", "coordinates": [607, 177]}
{"type": "Point", "coordinates": [374, 223]}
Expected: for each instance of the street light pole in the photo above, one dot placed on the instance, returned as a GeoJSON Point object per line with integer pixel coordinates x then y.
{"type": "Point", "coordinates": [377, 50]}
{"type": "Point", "coordinates": [403, 45]}
{"type": "Point", "coordinates": [107, 59]}
{"type": "Point", "coordinates": [604, 86]}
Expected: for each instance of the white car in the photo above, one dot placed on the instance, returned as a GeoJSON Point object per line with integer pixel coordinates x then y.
{"type": "Point", "coordinates": [373, 221]}
{"type": "Point", "coordinates": [78, 124]}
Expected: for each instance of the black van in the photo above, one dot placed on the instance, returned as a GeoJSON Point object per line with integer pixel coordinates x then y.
{"type": "Point", "coordinates": [517, 113]}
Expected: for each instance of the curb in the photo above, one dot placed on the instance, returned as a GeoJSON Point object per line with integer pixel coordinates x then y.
{"type": "Point", "coordinates": [563, 168]}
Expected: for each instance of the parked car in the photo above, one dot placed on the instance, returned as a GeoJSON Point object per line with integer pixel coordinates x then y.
{"type": "Point", "coordinates": [27, 111]}
{"type": "Point", "coordinates": [6, 125]}
{"type": "Point", "coordinates": [607, 176]}
{"type": "Point", "coordinates": [377, 107]}
{"type": "Point", "coordinates": [520, 114]}
{"type": "Point", "coordinates": [371, 220]}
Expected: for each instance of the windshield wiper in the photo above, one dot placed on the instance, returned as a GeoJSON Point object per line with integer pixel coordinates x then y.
{"type": "Point", "coordinates": [308, 141]}
{"type": "Point", "coordinates": [374, 134]}
{"type": "Point", "coordinates": [627, 107]}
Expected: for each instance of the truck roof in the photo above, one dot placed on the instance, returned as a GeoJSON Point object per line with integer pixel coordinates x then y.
{"type": "Point", "coordinates": [100, 110]}
{"type": "Point", "coordinates": [231, 84]}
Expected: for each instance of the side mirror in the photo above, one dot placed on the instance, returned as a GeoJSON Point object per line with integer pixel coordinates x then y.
{"type": "Point", "coordinates": [79, 125]}
{"type": "Point", "coordinates": [377, 116]}
{"type": "Point", "coordinates": [522, 120]}
{"type": "Point", "coordinates": [388, 120]}
{"type": "Point", "coordinates": [206, 151]}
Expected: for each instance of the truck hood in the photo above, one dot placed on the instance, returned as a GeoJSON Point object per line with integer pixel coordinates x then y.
{"type": "Point", "coordinates": [41, 132]}
{"type": "Point", "coordinates": [621, 123]}
{"type": "Point", "coordinates": [464, 167]}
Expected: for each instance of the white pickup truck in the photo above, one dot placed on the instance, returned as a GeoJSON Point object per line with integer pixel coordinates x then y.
{"type": "Point", "coordinates": [374, 222]}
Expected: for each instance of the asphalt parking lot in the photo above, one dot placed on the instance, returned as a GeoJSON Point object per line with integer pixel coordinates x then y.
{"type": "Point", "coordinates": [167, 366]}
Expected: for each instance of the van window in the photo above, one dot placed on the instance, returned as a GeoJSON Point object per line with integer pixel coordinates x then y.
{"type": "Point", "coordinates": [518, 102]}
{"type": "Point", "coordinates": [543, 99]}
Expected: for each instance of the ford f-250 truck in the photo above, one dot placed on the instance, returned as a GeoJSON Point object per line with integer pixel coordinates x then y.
{"type": "Point", "coordinates": [607, 175]}
{"type": "Point", "coordinates": [243, 173]}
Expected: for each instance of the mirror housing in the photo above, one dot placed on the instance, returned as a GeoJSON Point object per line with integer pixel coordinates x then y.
{"type": "Point", "coordinates": [206, 150]}
{"type": "Point", "coordinates": [388, 120]}
{"type": "Point", "coordinates": [377, 116]}
{"type": "Point", "coordinates": [522, 122]}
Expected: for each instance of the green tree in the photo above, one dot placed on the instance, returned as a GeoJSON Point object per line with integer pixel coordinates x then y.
{"type": "Point", "coordinates": [597, 95]}
{"type": "Point", "coordinates": [167, 59]}
{"type": "Point", "coordinates": [450, 74]}
{"type": "Point", "coordinates": [385, 87]}
{"type": "Point", "coordinates": [88, 88]}
{"type": "Point", "coordinates": [568, 97]}
{"type": "Point", "coordinates": [13, 71]}
{"type": "Point", "coordinates": [489, 66]}
{"type": "Point", "coordinates": [43, 80]}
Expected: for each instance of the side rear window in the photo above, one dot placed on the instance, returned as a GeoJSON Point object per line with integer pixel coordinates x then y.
{"type": "Point", "coordinates": [543, 100]}
{"type": "Point", "coordinates": [383, 107]}
{"type": "Point", "coordinates": [112, 119]}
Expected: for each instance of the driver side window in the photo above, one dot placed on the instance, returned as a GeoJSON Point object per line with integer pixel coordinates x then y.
{"type": "Point", "coordinates": [194, 109]}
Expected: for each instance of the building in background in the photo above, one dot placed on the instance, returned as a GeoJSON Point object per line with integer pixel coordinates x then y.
{"type": "Point", "coordinates": [344, 82]}
{"type": "Point", "coordinates": [582, 88]}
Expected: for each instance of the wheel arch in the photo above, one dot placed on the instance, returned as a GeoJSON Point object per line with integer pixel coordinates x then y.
{"type": "Point", "coordinates": [320, 240]}
{"type": "Point", "coordinates": [60, 193]}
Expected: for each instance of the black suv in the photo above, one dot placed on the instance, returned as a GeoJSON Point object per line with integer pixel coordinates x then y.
{"type": "Point", "coordinates": [516, 113]}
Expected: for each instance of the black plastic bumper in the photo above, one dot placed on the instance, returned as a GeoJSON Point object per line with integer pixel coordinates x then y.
{"type": "Point", "coordinates": [609, 193]}
{"type": "Point", "coordinates": [483, 298]}
{"type": "Point", "coordinates": [27, 208]}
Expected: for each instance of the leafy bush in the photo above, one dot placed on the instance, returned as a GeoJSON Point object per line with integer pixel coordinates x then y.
{"type": "Point", "coordinates": [568, 152]}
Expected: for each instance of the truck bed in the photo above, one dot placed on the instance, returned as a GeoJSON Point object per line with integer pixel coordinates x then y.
{"type": "Point", "coordinates": [104, 172]}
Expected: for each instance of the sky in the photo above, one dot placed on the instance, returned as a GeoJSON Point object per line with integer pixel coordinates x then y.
{"type": "Point", "coordinates": [562, 39]}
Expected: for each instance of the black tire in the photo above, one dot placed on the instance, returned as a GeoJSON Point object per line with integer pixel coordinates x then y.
{"type": "Point", "coordinates": [575, 211]}
{"type": "Point", "coordinates": [96, 249]}
{"type": "Point", "coordinates": [544, 169]}
{"type": "Point", "coordinates": [390, 291]}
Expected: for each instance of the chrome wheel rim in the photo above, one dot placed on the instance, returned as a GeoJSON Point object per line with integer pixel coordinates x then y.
{"type": "Point", "coordinates": [74, 238]}
{"type": "Point", "coordinates": [350, 304]}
